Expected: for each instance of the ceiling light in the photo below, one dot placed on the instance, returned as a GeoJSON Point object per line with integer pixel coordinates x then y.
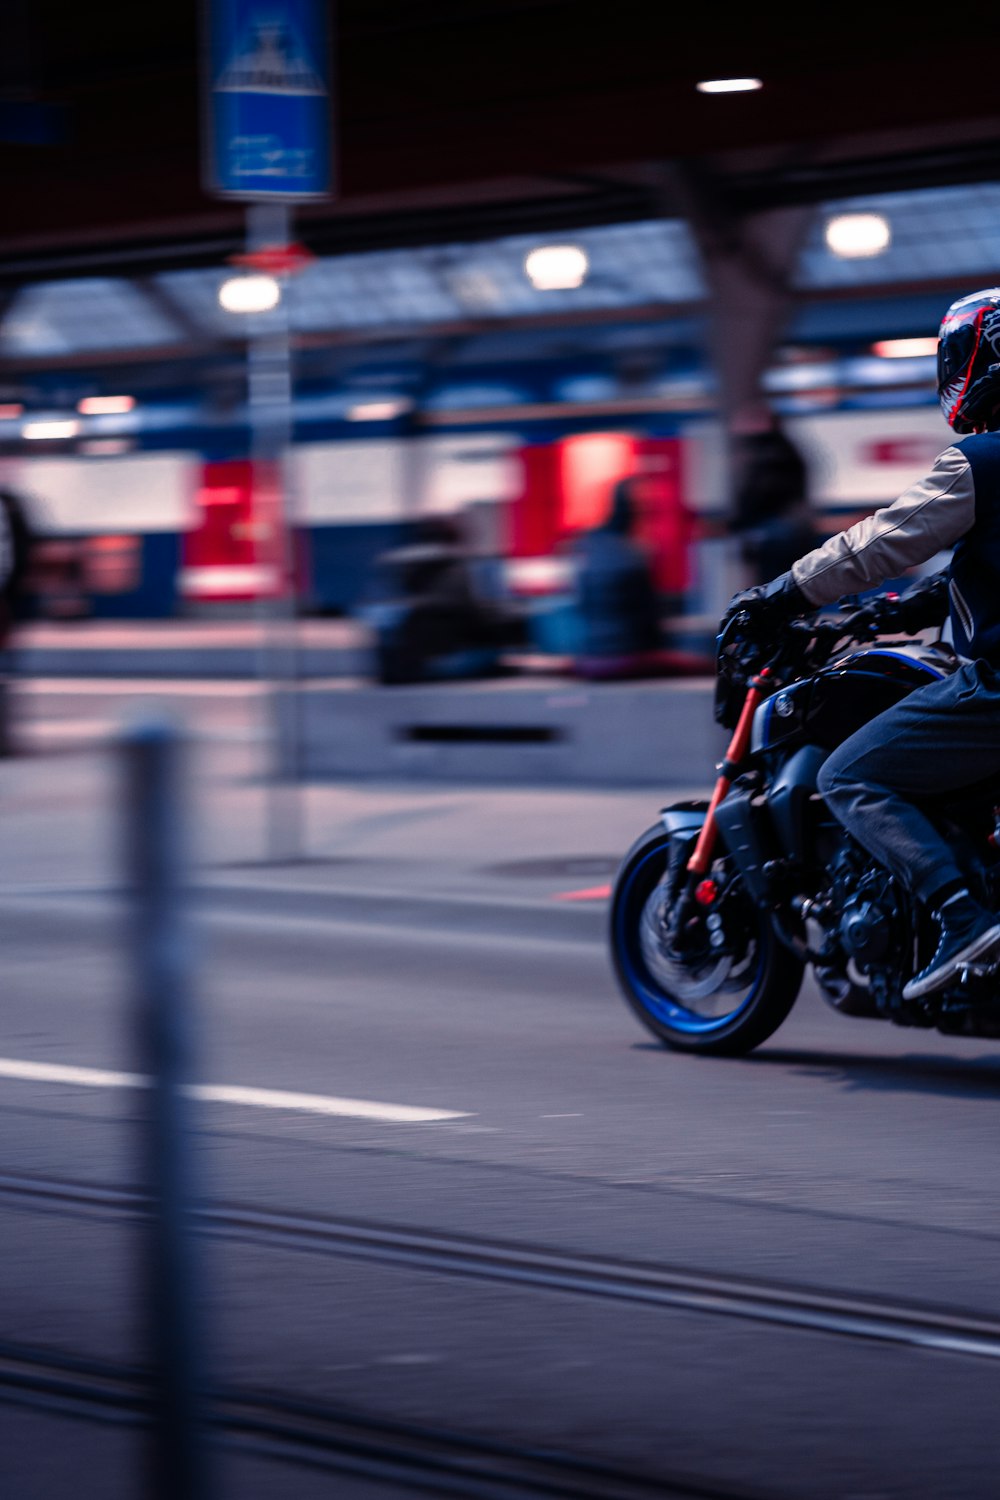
{"type": "Point", "coordinates": [855, 236]}
{"type": "Point", "coordinates": [728, 85]}
{"type": "Point", "coordinates": [557, 268]}
{"type": "Point", "coordinates": [54, 427]}
{"type": "Point", "coordinates": [377, 411]}
{"type": "Point", "coordinates": [105, 406]}
{"type": "Point", "coordinates": [905, 348]}
{"type": "Point", "coordinates": [249, 294]}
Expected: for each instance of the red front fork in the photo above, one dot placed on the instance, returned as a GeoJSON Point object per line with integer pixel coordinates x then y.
{"type": "Point", "coordinates": [700, 860]}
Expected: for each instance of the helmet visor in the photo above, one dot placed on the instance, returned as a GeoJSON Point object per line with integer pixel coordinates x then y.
{"type": "Point", "coordinates": [956, 347]}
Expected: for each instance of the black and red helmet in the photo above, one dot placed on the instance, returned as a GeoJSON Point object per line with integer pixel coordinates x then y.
{"type": "Point", "coordinates": [969, 362]}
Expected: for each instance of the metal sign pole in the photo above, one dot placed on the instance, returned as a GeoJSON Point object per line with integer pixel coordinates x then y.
{"type": "Point", "coordinates": [270, 405]}
{"type": "Point", "coordinates": [267, 142]}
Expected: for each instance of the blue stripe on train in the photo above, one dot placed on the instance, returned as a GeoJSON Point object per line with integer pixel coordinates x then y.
{"type": "Point", "coordinates": [155, 595]}
{"type": "Point", "coordinates": [342, 560]}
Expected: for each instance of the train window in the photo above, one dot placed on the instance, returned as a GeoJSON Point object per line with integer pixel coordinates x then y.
{"type": "Point", "coordinates": [112, 564]}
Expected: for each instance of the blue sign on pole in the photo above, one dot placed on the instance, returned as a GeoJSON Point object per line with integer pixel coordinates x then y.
{"type": "Point", "coordinates": [268, 99]}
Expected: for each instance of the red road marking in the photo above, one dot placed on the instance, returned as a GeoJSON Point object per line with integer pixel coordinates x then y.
{"type": "Point", "coordinates": [594, 893]}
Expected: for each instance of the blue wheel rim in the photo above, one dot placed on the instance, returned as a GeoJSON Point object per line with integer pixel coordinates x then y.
{"type": "Point", "coordinates": [659, 1005]}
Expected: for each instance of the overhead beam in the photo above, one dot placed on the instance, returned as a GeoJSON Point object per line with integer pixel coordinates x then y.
{"type": "Point", "coordinates": [159, 297]}
{"type": "Point", "coordinates": [347, 337]}
{"type": "Point", "coordinates": [819, 180]}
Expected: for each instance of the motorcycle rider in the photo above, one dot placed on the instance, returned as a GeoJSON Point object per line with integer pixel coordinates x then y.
{"type": "Point", "coordinates": [946, 736]}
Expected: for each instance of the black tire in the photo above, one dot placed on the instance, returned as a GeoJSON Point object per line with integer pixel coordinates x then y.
{"type": "Point", "coordinates": [763, 985]}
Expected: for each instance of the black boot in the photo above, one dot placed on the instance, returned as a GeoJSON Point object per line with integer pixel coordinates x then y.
{"type": "Point", "coordinates": [968, 933]}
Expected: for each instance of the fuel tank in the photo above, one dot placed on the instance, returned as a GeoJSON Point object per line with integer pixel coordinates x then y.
{"type": "Point", "coordinates": [824, 710]}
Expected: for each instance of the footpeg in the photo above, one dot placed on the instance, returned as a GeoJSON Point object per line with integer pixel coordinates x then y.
{"type": "Point", "coordinates": [968, 973]}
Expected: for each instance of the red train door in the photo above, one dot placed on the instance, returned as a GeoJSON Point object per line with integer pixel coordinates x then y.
{"type": "Point", "coordinates": [235, 550]}
{"type": "Point", "coordinates": [567, 488]}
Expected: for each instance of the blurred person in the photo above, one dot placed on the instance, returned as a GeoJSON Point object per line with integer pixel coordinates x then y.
{"type": "Point", "coordinates": [772, 516]}
{"type": "Point", "coordinates": [618, 611]}
{"type": "Point", "coordinates": [433, 620]}
{"type": "Point", "coordinates": [946, 736]}
{"type": "Point", "coordinates": [16, 546]}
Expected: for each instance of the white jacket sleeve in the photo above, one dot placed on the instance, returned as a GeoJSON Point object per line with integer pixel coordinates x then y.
{"type": "Point", "coordinates": [927, 518]}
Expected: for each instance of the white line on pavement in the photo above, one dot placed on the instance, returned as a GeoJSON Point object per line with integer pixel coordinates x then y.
{"type": "Point", "coordinates": [212, 1093]}
{"type": "Point", "coordinates": [122, 687]}
{"type": "Point", "coordinates": [321, 1104]}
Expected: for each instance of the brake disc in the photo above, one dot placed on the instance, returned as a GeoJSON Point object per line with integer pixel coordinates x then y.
{"type": "Point", "coordinates": [694, 979]}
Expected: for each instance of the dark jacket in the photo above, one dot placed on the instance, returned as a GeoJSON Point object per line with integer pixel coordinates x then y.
{"type": "Point", "coordinates": [974, 586]}
{"type": "Point", "coordinates": [15, 558]}
{"type": "Point", "coordinates": [771, 513]}
{"type": "Point", "coordinates": [616, 596]}
{"type": "Point", "coordinates": [773, 481]}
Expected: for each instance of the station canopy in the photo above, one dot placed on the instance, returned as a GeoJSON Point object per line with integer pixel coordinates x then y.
{"type": "Point", "coordinates": [942, 241]}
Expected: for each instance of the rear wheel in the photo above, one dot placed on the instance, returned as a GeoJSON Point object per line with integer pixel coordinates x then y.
{"type": "Point", "coordinates": [724, 999]}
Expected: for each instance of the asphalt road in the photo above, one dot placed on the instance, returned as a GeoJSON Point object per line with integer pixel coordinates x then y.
{"type": "Point", "coordinates": [503, 1297]}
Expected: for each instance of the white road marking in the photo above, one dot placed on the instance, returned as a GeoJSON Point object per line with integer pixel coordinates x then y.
{"type": "Point", "coordinates": [212, 1093]}
{"type": "Point", "coordinates": [126, 687]}
{"type": "Point", "coordinates": [321, 1104]}
{"type": "Point", "coordinates": [92, 1078]}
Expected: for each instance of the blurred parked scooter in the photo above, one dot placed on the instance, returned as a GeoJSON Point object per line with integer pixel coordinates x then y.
{"type": "Point", "coordinates": [433, 623]}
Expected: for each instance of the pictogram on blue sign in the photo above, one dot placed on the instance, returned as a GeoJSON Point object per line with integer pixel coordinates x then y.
{"type": "Point", "coordinates": [268, 88]}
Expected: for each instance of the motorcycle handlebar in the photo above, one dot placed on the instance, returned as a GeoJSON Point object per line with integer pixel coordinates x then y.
{"type": "Point", "coordinates": [811, 637]}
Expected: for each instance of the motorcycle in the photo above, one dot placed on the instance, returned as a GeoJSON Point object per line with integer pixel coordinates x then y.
{"type": "Point", "coordinates": [718, 909]}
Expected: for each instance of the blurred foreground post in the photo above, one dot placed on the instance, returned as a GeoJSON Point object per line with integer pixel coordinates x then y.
{"type": "Point", "coordinates": [162, 959]}
{"type": "Point", "coordinates": [6, 711]}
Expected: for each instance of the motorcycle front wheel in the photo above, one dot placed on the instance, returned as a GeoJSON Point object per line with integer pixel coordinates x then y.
{"type": "Point", "coordinates": [720, 1004]}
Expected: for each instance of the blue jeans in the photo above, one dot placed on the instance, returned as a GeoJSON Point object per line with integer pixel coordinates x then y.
{"type": "Point", "coordinates": [942, 738]}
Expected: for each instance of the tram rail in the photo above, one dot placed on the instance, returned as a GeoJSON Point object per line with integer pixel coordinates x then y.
{"type": "Point", "coordinates": [936, 1329]}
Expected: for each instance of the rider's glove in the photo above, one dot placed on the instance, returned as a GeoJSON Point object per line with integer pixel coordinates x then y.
{"type": "Point", "coordinates": [923, 605]}
{"type": "Point", "coordinates": [768, 607]}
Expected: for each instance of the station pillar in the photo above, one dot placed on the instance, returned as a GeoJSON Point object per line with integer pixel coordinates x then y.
{"type": "Point", "coordinates": [748, 260]}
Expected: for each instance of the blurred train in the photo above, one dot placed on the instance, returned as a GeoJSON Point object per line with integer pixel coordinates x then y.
{"type": "Point", "coordinates": [166, 522]}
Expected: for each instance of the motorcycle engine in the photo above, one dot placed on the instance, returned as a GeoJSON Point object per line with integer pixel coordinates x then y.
{"type": "Point", "coordinates": [865, 931]}
{"type": "Point", "coordinates": [861, 920]}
